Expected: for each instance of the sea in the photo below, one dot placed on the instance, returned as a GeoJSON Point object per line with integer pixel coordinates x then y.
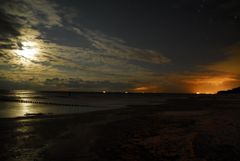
{"type": "Point", "coordinates": [20, 103]}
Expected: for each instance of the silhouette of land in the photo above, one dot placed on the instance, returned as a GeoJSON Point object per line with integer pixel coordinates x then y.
{"type": "Point", "coordinates": [232, 91]}
{"type": "Point", "coordinates": [198, 128]}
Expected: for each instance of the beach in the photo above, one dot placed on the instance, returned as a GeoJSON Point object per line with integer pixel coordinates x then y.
{"type": "Point", "coordinates": [126, 80]}
{"type": "Point", "coordinates": [203, 128]}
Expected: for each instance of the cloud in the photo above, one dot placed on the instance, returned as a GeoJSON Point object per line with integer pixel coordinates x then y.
{"type": "Point", "coordinates": [117, 48]}
{"type": "Point", "coordinates": [8, 26]}
{"type": "Point", "coordinates": [8, 30]}
{"type": "Point", "coordinates": [8, 84]}
{"type": "Point", "coordinates": [32, 13]}
{"type": "Point", "coordinates": [107, 63]}
{"type": "Point", "coordinates": [18, 20]}
{"type": "Point", "coordinates": [56, 83]}
{"type": "Point", "coordinates": [230, 64]}
{"type": "Point", "coordinates": [166, 83]}
{"type": "Point", "coordinates": [85, 85]}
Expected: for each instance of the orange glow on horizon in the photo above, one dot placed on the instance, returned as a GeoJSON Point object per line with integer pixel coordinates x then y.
{"type": "Point", "coordinates": [147, 89]}
{"type": "Point", "coordinates": [211, 85]}
{"type": "Point", "coordinates": [204, 93]}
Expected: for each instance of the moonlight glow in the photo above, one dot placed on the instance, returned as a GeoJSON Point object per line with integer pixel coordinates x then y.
{"type": "Point", "coordinates": [178, 46]}
{"type": "Point", "coordinates": [28, 50]}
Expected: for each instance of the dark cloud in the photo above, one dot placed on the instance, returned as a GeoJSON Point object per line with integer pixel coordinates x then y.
{"type": "Point", "coordinates": [8, 84]}
{"type": "Point", "coordinates": [16, 17]}
{"type": "Point", "coordinates": [116, 48]}
{"type": "Point", "coordinates": [8, 27]}
{"type": "Point", "coordinates": [103, 47]}
{"type": "Point", "coordinates": [9, 30]}
{"type": "Point", "coordinates": [230, 64]}
{"type": "Point", "coordinates": [85, 85]}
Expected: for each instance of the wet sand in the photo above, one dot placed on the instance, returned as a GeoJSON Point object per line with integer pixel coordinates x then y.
{"type": "Point", "coordinates": [198, 129]}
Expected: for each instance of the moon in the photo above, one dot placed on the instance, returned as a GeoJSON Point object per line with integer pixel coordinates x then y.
{"type": "Point", "coordinates": [28, 50]}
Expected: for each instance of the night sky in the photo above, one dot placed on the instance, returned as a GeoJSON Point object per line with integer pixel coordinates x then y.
{"type": "Point", "coordinates": [138, 46]}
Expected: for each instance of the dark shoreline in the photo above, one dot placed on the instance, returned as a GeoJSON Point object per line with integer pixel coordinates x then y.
{"type": "Point", "coordinates": [189, 129]}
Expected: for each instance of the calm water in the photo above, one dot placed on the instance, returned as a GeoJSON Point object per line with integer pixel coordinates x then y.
{"type": "Point", "coordinates": [18, 103]}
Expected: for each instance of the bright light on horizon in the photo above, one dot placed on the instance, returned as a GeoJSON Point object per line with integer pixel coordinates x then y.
{"type": "Point", "coordinates": [205, 93]}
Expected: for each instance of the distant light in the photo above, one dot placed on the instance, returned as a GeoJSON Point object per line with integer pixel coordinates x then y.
{"type": "Point", "coordinates": [126, 92]}
{"type": "Point", "coordinates": [209, 93]}
{"type": "Point", "coordinates": [104, 91]}
{"type": "Point", "coordinates": [205, 93]}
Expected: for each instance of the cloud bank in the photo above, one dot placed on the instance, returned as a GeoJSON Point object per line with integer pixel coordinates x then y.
{"type": "Point", "coordinates": [96, 61]}
{"type": "Point", "coordinates": [108, 60]}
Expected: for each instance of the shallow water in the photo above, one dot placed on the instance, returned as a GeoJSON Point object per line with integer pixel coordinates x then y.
{"type": "Point", "coordinates": [18, 103]}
